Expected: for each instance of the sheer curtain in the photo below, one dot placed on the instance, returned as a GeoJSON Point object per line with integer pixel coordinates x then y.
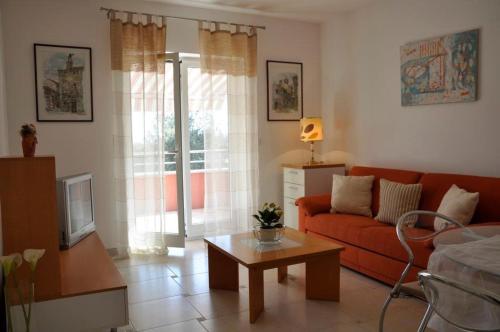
{"type": "Point", "coordinates": [138, 65]}
{"type": "Point", "coordinates": [228, 62]}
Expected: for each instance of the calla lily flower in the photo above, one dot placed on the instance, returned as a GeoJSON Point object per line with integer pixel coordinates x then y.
{"type": "Point", "coordinates": [32, 256]}
{"type": "Point", "coordinates": [10, 263]}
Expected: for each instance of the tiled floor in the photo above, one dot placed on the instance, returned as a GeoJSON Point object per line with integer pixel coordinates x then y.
{"type": "Point", "coordinates": [171, 294]}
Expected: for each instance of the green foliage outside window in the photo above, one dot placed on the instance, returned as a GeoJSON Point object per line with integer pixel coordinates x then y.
{"type": "Point", "coordinates": [196, 142]}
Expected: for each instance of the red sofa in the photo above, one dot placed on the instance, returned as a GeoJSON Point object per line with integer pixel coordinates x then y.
{"type": "Point", "coordinates": [373, 248]}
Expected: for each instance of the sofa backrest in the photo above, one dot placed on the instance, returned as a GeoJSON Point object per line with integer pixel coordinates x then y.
{"type": "Point", "coordinates": [435, 185]}
{"type": "Point", "coordinates": [396, 175]}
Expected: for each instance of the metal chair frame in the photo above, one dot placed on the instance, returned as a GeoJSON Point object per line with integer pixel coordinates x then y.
{"type": "Point", "coordinates": [484, 294]}
{"type": "Point", "coordinates": [396, 291]}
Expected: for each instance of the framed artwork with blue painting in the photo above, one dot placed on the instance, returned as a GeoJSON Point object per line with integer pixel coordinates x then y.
{"type": "Point", "coordinates": [63, 82]}
{"type": "Point", "coordinates": [440, 70]}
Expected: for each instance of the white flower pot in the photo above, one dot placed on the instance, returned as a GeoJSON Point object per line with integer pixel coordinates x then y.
{"type": "Point", "coordinates": [271, 235]}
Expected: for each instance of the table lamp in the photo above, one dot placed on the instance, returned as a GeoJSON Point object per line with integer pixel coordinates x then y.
{"type": "Point", "coordinates": [311, 130]}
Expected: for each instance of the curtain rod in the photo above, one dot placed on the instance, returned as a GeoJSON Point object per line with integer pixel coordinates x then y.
{"type": "Point", "coordinates": [109, 10]}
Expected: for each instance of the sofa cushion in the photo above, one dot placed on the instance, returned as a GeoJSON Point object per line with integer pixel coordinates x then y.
{"type": "Point", "coordinates": [384, 241]}
{"type": "Point", "coordinates": [352, 194]}
{"type": "Point", "coordinates": [436, 185]}
{"type": "Point", "coordinates": [397, 199]}
{"type": "Point", "coordinates": [343, 227]}
{"type": "Point", "coordinates": [457, 204]}
{"type": "Point", "coordinates": [396, 175]}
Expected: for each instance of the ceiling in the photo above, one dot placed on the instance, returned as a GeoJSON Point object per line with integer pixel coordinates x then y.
{"type": "Point", "coordinates": [307, 10]}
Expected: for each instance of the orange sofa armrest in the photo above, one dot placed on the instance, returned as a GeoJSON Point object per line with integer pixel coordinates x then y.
{"type": "Point", "coordinates": [312, 205]}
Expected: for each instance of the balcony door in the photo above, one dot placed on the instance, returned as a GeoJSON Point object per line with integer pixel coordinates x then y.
{"type": "Point", "coordinates": [205, 133]}
{"type": "Point", "coordinates": [196, 181]}
{"type": "Point", "coordinates": [173, 180]}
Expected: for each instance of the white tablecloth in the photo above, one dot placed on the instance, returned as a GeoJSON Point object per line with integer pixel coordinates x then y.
{"type": "Point", "coordinates": [475, 263]}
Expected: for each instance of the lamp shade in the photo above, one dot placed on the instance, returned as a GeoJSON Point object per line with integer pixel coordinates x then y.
{"type": "Point", "coordinates": [311, 129]}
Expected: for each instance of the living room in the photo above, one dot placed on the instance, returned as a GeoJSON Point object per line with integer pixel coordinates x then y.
{"type": "Point", "coordinates": [348, 71]}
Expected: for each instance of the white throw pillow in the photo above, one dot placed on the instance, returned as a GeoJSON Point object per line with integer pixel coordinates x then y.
{"type": "Point", "coordinates": [457, 204]}
{"type": "Point", "coordinates": [397, 199]}
{"type": "Point", "coordinates": [352, 194]}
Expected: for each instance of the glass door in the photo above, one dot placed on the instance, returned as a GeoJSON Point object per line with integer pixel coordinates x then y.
{"type": "Point", "coordinates": [205, 137]}
{"type": "Point", "coordinates": [173, 179]}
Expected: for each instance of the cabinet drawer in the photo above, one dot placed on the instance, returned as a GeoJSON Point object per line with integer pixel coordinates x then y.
{"type": "Point", "coordinates": [291, 213]}
{"type": "Point", "coordinates": [293, 191]}
{"type": "Point", "coordinates": [293, 175]}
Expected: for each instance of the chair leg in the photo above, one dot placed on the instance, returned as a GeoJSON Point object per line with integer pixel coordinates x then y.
{"type": "Point", "coordinates": [425, 319]}
{"type": "Point", "coordinates": [382, 314]}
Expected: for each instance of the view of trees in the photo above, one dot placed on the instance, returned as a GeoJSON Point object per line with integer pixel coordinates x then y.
{"type": "Point", "coordinates": [196, 142]}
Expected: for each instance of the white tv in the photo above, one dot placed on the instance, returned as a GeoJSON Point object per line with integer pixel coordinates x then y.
{"type": "Point", "coordinates": [75, 205]}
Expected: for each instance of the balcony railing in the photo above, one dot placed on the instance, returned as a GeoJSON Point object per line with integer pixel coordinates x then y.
{"type": "Point", "coordinates": [196, 165]}
{"type": "Point", "coordinates": [143, 177]}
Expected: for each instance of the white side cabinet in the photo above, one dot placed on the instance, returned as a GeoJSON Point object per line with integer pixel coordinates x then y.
{"type": "Point", "coordinates": [305, 180]}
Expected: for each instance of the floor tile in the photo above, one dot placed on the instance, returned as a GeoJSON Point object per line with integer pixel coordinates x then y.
{"type": "Point", "coordinates": [138, 273]}
{"type": "Point", "coordinates": [193, 284]}
{"type": "Point", "coordinates": [189, 326]}
{"type": "Point", "coordinates": [182, 267]}
{"type": "Point", "coordinates": [267, 322]}
{"type": "Point", "coordinates": [219, 302]}
{"type": "Point", "coordinates": [151, 314]}
{"type": "Point", "coordinates": [276, 294]}
{"type": "Point", "coordinates": [366, 304]}
{"type": "Point", "coordinates": [153, 289]}
{"type": "Point", "coordinates": [169, 293]}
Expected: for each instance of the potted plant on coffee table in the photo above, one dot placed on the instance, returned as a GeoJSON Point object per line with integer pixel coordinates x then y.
{"type": "Point", "coordinates": [269, 228]}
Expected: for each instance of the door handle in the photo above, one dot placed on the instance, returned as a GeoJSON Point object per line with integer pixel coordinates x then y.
{"type": "Point", "coordinates": [172, 151]}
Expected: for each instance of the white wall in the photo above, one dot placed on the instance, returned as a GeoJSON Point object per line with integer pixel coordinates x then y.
{"type": "Point", "coordinates": [4, 144]}
{"type": "Point", "coordinates": [361, 89]}
{"type": "Point", "coordinates": [88, 146]}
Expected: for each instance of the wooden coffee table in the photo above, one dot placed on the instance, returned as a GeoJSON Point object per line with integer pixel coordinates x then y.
{"type": "Point", "coordinates": [322, 260]}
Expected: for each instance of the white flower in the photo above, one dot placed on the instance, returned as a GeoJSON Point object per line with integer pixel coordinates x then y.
{"type": "Point", "coordinates": [11, 262]}
{"type": "Point", "coordinates": [32, 256]}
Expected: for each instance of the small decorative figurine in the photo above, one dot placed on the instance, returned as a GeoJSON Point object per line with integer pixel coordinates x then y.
{"type": "Point", "coordinates": [28, 133]}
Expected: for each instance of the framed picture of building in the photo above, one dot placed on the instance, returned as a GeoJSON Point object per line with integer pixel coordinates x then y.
{"type": "Point", "coordinates": [63, 79]}
{"type": "Point", "coordinates": [284, 91]}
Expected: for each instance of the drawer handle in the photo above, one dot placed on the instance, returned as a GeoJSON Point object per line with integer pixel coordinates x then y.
{"type": "Point", "coordinates": [291, 203]}
{"type": "Point", "coordinates": [294, 172]}
{"type": "Point", "coordinates": [293, 188]}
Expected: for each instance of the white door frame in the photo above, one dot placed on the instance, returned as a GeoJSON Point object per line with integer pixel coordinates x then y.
{"type": "Point", "coordinates": [178, 240]}
{"type": "Point", "coordinates": [193, 231]}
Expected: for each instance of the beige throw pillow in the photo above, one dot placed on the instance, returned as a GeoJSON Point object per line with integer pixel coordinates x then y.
{"type": "Point", "coordinates": [396, 199]}
{"type": "Point", "coordinates": [457, 204]}
{"type": "Point", "coordinates": [352, 194]}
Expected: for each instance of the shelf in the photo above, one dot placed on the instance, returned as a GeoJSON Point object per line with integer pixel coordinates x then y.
{"type": "Point", "coordinates": [87, 268]}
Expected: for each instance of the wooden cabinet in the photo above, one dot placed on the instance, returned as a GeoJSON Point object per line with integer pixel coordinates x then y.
{"type": "Point", "coordinates": [79, 289]}
{"type": "Point", "coordinates": [29, 217]}
{"type": "Point", "coordinates": [301, 180]}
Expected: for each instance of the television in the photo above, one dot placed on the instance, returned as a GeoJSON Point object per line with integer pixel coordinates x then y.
{"type": "Point", "coordinates": [75, 205]}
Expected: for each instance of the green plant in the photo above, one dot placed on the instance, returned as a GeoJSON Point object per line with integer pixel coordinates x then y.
{"type": "Point", "coordinates": [269, 217]}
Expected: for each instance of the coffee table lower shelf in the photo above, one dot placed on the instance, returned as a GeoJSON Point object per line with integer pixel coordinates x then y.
{"type": "Point", "coordinates": [322, 276]}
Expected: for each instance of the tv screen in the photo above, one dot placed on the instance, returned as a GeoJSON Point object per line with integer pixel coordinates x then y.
{"type": "Point", "coordinates": [80, 205]}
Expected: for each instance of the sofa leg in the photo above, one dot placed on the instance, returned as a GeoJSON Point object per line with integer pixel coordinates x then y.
{"type": "Point", "coordinates": [113, 329]}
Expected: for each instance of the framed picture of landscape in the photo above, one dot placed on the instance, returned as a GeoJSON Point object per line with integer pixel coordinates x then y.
{"type": "Point", "coordinates": [284, 91]}
{"type": "Point", "coordinates": [63, 81]}
{"type": "Point", "coordinates": [440, 70]}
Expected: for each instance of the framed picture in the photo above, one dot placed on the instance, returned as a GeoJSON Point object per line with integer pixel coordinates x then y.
{"type": "Point", "coordinates": [284, 91]}
{"type": "Point", "coordinates": [440, 70]}
{"type": "Point", "coordinates": [63, 79]}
